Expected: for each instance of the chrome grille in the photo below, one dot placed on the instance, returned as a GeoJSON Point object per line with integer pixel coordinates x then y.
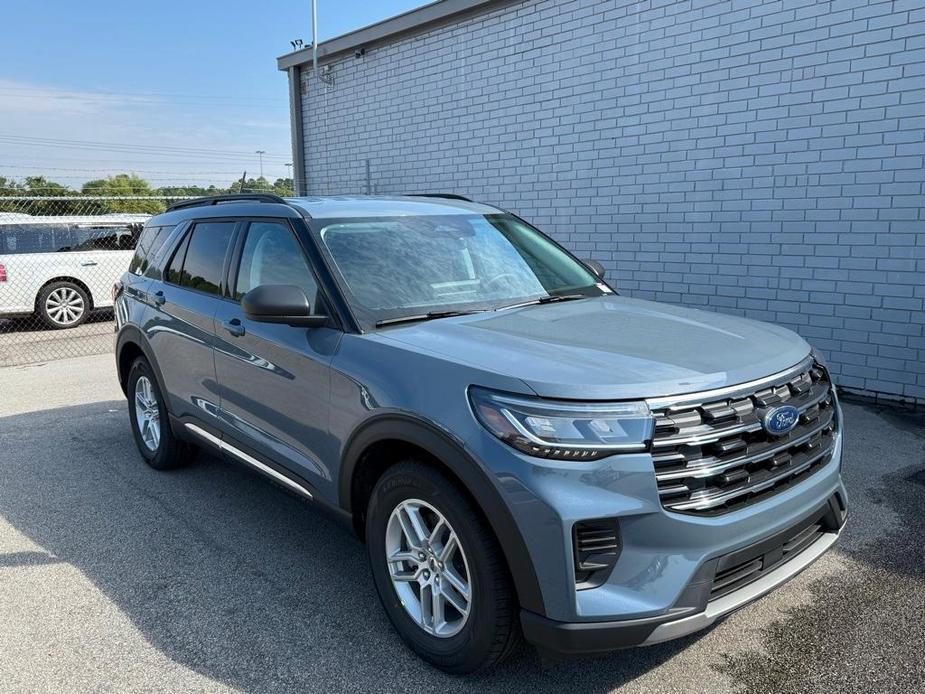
{"type": "Point", "coordinates": [712, 454]}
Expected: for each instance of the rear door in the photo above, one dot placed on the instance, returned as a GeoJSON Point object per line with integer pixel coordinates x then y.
{"type": "Point", "coordinates": [98, 253]}
{"type": "Point", "coordinates": [27, 253]}
{"type": "Point", "coordinates": [275, 379]}
{"type": "Point", "coordinates": [180, 325]}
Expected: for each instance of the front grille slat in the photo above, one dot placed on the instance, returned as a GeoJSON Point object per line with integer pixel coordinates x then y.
{"type": "Point", "coordinates": [707, 433]}
{"type": "Point", "coordinates": [708, 467]}
{"type": "Point", "coordinates": [714, 455]}
{"type": "Point", "coordinates": [703, 502]}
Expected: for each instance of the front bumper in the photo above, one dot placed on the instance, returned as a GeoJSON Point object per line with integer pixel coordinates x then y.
{"type": "Point", "coordinates": [697, 608]}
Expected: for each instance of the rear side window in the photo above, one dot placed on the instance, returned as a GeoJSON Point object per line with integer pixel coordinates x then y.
{"type": "Point", "coordinates": [200, 260]}
{"type": "Point", "coordinates": [149, 243]}
{"type": "Point", "coordinates": [17, 239]}
{"type": "Point", "coordinates": [91, 237]}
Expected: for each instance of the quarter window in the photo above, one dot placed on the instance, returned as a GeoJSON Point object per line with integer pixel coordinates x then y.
{"type": "Point", "coordinates": [150, 241]}
{"type": "Point", "coordinates": [272, 255]}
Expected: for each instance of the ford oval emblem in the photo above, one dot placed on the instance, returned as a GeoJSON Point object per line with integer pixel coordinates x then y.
{"type": "Point", "coordinates": [779, 420]}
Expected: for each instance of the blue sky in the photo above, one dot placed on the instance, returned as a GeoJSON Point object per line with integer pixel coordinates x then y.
{"type": "Point", "coordinates": [193, 75]}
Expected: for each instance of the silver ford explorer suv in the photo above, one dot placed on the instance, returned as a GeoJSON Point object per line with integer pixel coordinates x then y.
{"type": "Point", "coordinates": [523, 450]}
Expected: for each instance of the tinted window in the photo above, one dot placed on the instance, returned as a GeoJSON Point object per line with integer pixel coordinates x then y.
{"type": "Point", "coordinates": [271, 255]}
{"type": "Point", "coordinates": [16, 239]}
{"type": "Point", "coordinates": [204, 258]}
{"type": "Point", "coordinates": [62, 238]}
{"type": "Point", "coordinates": [91, 237]}
{"type": "Point", "coordinates": [175, 267]}
{"type": "Point", "coordinates": [150, 241]}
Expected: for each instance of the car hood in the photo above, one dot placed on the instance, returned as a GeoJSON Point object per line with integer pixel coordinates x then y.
{"type": "Point", "coordinates": [609, 347]}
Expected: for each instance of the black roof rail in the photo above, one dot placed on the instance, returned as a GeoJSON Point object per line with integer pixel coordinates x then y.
{"type": "Point", "coordinates": [447, 196]}
{"type": "Point", "coordinates": [229, 197]}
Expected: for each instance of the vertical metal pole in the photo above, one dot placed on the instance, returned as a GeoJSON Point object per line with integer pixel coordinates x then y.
{"type": "Point", "coordinates": [297, 133]}
{"type": "Point", "coordinates": [369, 180]}
{"type": "Point", "coordinates": [260, 153]}
{"type": "Point", "coordinates": [315, 36]}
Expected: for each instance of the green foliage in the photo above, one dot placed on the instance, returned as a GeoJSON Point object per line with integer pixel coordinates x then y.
{"type": "Point", "coordinates": [119, 185]}
{"type": "Point", "coordinates": [124, 185]}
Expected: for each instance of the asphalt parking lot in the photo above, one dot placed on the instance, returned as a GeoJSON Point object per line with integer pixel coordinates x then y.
{"type": "Point", "coordinates": [24, 341]}
{"type": "Point", "coordinates": [114, 577]}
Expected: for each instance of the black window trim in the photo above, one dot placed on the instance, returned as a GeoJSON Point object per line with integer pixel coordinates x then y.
{"type": "Point", "coordinates": [238, 251]}
{"type": "Point", "coordinates": [161, 259]}
{"type": "Point", "coordinates": [187, 233]}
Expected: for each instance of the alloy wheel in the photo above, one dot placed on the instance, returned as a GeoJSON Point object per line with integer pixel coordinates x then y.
{"type": "Point", "coordinates": [428, 568]}
{"type": "Point", "coordinates": [64, 306]}
{"type": "Point", "coordinates": [147, 413]}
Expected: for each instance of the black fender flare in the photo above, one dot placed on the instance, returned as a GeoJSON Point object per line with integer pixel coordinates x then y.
{"type": "Point", "coordinates": [442, 445]}
{"type": "Point", "coordinates": [130, 334]}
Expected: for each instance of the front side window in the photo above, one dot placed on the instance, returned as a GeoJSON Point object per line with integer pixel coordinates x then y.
{"type": "Point", "coordinates": [272, 255]}
{"type": "Point", "coordinates": [400, 266]}
{"type": "Point", "coordinates": [200, 260]}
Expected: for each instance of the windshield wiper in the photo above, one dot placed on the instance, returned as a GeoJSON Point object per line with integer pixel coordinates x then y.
{"type": "Point", "coordinates": [430, 315]}
{"type": "Point", "coordinates": [551, 299]}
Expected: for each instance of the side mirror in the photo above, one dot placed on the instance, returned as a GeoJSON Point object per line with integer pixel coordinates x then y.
{"type": "Point", "coordinates": [595, 267]}
{"type": "Point", "coordinates": [280, 303]}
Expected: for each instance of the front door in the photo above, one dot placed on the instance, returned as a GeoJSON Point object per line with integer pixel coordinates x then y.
{"type": "Point", "coordinates": [274, 379]}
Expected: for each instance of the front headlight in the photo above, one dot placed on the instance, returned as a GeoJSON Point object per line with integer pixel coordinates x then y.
{"type": "Point", "coordinates": [563, 430]}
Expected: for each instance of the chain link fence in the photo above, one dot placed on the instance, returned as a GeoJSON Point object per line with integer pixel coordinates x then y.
{"type": "Point", "coordinates": [59, 257]}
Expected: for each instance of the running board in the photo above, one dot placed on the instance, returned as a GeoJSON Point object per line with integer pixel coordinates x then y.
{"type": "Point", "coordinates": [250, 460]}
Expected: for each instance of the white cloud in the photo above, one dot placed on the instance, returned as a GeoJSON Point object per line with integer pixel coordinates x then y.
{"type": "Point", "coordinates": [209, 141]}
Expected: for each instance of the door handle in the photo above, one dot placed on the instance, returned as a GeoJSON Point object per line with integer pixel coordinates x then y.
{"type": "Point", "coordinates": [159, 298]}
{"type": "Point", "coordinates": [234, 327]}
{"type": "Point", "coordinates": [89, 263]}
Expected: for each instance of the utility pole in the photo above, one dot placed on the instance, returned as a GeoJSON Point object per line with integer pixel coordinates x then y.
{"type": "Point", "coordinates": [289, 170]}
{"type": "Point", "coordinates": [260, 153]}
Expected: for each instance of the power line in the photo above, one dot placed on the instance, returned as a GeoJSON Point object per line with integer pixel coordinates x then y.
{"type": "Point", "coordinates": [113, 168]}
{"type": "Point", "coordinates": [105, 93]}
{"type": "Point", "coordinates": [113, 146]}
{"type": "Point", "coordinates": [34, 161]}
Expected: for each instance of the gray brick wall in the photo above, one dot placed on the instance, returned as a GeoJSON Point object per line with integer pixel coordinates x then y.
{"type": "Point", "coordinates": [757, 158]}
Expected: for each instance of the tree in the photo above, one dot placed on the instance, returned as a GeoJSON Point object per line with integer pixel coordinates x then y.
{"type": "Point", "coordinates": [37, 187]}
{"type": "Point", "coordinates": [284, 187]}
{"type": "Point", "coordinates": [124, 185]}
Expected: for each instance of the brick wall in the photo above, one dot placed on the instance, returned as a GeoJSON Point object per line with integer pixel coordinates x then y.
{"type": "Point", "coordinates": [757, 158]}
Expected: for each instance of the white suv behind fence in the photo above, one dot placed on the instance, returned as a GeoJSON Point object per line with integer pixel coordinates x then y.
{"type": "Point", "coordinates": [59, 269]}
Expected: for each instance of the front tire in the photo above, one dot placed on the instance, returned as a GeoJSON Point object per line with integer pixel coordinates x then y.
{"type": "Point", "coordinates": [151, 423]}
{"type": "Point", "coordinates": [439, 571]}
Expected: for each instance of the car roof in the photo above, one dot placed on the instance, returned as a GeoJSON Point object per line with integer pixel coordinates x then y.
{"type": "Point", "coordinates": [344, 206]}
{"type": "Point", "coordinates": [20, 219]}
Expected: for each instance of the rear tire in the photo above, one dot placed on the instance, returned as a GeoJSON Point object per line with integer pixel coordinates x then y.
{"type": "Point", "coordinates": [63, 305]}
{"type": "Point", "coordinates": [458, 643]}
{"type": "Point", "coordinates": [150, 421]}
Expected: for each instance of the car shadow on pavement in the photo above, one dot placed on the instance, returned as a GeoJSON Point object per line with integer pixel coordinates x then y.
{"type": "Point", "coordinates": [29, 324]}
{"type": "Point", "coordinates": [229, 575]}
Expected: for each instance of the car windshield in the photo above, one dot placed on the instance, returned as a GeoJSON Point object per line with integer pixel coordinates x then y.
{"type": "Point", "coordinates": [395, 267]}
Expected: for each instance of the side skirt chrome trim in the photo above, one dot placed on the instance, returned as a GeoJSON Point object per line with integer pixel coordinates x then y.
{"type": "Point", "coordinates": [250, 460]}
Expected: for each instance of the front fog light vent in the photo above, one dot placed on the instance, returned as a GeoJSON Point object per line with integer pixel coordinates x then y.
{"type": "Point", "coordinates": [597, 545]}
